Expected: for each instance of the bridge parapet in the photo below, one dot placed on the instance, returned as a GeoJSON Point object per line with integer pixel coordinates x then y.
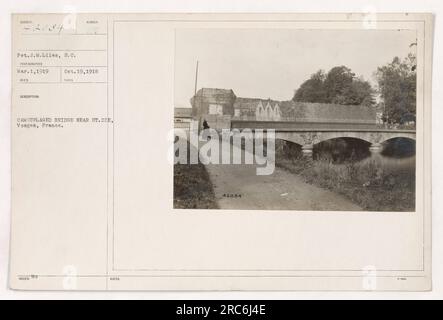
{"type": "Point", "coordinates": [298, 125]}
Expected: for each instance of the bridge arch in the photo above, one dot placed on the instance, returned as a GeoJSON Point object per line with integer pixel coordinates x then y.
{"type": "Point", "coordinates": [288, 136]}
{"type": "Point", "coordinates": [391, 136]}
{"type": "Point", "coordinates": [307, 139]}
{"type": "Point", "coordinates": [325, 136]}
{"type": "Point", "coordinates": [311, 138]}
{"type": "Point", "coordinates": [399, 147]}
{"type": "Point", "coordinates": [341, 149]}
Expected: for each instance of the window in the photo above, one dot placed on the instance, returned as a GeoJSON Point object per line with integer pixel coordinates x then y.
{"type": "Point", "coordinates": [216, 109]}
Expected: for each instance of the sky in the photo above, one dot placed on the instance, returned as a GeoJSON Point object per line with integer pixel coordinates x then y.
{"type": "Point", "coordinates": [272, 63]}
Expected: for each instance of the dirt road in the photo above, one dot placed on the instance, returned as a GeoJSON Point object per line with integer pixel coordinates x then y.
{"type": "Point", "coordinates": [238, 187]}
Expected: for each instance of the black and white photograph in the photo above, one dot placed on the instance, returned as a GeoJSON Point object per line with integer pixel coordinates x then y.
{"type": "Point", "coordinates": [295, 119]}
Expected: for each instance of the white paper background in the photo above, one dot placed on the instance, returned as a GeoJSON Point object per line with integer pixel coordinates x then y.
{"type": "Point", "coordinates": [8, 6]}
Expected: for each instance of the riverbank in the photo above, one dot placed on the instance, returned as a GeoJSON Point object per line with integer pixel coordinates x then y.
{"type": "Point", "coordinates": [373, 184]}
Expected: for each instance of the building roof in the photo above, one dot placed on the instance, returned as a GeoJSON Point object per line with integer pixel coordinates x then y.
{"type": "Point", "coordinates": [251, 103]}
{"type": "Point", "coordinates": [183, 112]}
{"type": "Point", "coordinates": [307, 111]}
{"type": "Point", "coordinates": [214, 92]}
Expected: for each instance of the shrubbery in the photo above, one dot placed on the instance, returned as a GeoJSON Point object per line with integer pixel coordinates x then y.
{"type": "Point", "coordinates": [373, 184]}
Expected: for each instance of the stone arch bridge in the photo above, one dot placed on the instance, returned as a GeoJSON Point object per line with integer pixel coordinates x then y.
{"type": "Point", "coordinates": [307, 135]}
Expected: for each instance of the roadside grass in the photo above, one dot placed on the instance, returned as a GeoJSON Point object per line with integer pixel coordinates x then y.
{"type": "Point", "coordinates": [373, 184]}
{"type": "Point", "coordinates": [192, 187]}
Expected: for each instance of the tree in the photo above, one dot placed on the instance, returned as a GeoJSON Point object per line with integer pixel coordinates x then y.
{"type": "Point", "coordinates": [359, 92]}
{"type": "Point", "coordinates": [338, 86]}
{"type": "Point", "coordinates": [312, 90]}
{"type": "Point", "coordinates": [397, 86]}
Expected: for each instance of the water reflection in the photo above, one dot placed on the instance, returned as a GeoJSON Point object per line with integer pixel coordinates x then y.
{"type": "Point", "coordinates": [398, 152]}
{"type": "Point", "coordinates": [399, 148]}
{"type": "Point", "coordinates": [398, 163]}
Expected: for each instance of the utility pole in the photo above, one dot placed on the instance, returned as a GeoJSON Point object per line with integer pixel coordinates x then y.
{"type": "Point", "coordinates": [196, 102]}
{"type": "Point", "coordinates": [196, 77]}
